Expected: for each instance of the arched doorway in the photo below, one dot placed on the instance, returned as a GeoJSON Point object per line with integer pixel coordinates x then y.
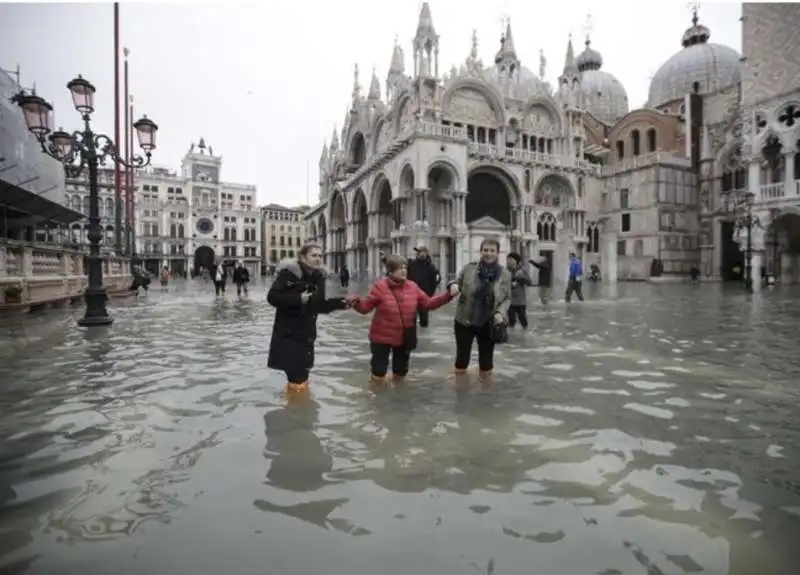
{"type": "Point", "coordinates": [782, 245]}
{"type": "Point", "coordinates": [358, 152]}
{"type": "Point", "coordinates": [204, 258]}
{"type": "Point", "coordinates": [442, 182]}
{"type": "Point", "coordinates": [488, 196]}
{"type": "Point", "coordinates": [339, 232]}
{"type": "Point", "coordinates": [361, 221]}
{"type": "Point", "coordinates": [322, 234]}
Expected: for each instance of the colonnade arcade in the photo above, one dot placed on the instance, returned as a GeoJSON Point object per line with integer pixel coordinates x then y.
{"type": "Point", "coordinates": [443, 216]}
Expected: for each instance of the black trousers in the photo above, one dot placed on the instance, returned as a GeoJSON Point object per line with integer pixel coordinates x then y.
{"type": "Point", "coordinates": [424, 317]}
{"type": "Point", "coordinates": [219, 287]}
{"type": "Point", "coordinates": [518, 312]}
{"type": "Point", "coordinates": [574, 286]}
{"type": "Point", "coordinates": [345, 282]}
{"type": "Point", "coordinates": [297, 375]}
{"type": "Point", "coordinates": [241, 286]}
{"type": "Point", "coordinates": [465, 334]}
{"type": "Point", "coordinates": [379, 364]}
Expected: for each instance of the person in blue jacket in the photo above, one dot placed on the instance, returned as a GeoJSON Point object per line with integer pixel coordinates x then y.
{"type": "Point", "coordinates": [575, 280]}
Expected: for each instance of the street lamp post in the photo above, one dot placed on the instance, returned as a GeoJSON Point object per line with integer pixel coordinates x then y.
{"type": "Point", "coordinates": [747, 222]}
{"type": "Point", "coordinates": [84, 148]}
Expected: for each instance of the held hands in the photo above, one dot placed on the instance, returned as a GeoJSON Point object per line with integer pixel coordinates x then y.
{"type": "Point", "coordinates": [350, 300]}
{"type": "Point", "coordinates": [453, 289]}
{"type": "Point", "coordinates": [305, 296]}
{"type": "Point", "coordinates": [499, 317]}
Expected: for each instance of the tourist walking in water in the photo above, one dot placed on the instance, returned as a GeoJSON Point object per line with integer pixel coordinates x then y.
{"type": "Point", "coordinates": [219, 276]}
{"type": "Point", "coordinates": [396, 299]}
{"type": "Point", "coordinates": [520, 280]}
{"type": "Point", "coordinates": [298, 296]}
{"type": "Point", "coordinates": [575, 279]}
{"type": "Point", "coordinates": [241, 277]}
{"type": "Point", "coordinates": [545, 278]}
{"type": "Point", "coordinates": [423, 273]}
{"type": "Point", "coordinates": [165, 277]}
{"type": "Point", "coordinates": [344, 276]}
{"type": "Point", "coordinates": [485, 288]}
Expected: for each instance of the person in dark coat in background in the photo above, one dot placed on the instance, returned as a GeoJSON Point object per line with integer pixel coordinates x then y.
{"type": "Point", "coordinates": [422, 272]}
{"type": "Point", "coordinates": [219, 275]}
{"type": "Point", "coordinates": [298, 296]}
{"type": "Point", "coordinates": [241, 277]}
{"type": "Point", "coordinates": [344, 276]}
{"type": "Point", "coordinates": [545, 278]}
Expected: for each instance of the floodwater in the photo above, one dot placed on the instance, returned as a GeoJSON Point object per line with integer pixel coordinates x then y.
{"type": "Point", "coordinates": [651, 430]}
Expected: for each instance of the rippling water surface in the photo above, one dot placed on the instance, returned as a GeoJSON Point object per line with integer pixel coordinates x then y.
{"type": "Point", "coordinates": [651, 430]}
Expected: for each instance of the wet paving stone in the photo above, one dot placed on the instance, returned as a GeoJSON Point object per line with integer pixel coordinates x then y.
{"type": "Point", "coordinates": [651, 429]}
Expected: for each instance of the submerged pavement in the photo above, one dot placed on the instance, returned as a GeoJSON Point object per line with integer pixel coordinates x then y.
{"type": "Point", "coordinates": [652, 429]}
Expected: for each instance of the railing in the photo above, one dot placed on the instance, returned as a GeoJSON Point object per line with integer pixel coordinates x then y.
{"type": "Point", "coordinates": [33, 273]}
{"type": "Point", "coordinates": [644, 161]}
{"type": "Point", "coordinates": [779, 190]}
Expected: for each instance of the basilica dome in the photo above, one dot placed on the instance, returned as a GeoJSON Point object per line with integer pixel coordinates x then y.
{"type": "Point", "coordinates": [700, 66]}
{"type": "Point", "coordinates": [604, 96]}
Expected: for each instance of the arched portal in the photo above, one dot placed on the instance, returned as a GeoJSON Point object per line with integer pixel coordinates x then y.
{"type": "Point", "coordinates": [406, 208]}
{"type": "Point", "coordinates": [782, 247]}
{"type": "Point", "coordinates": [358, 150]}
{"type": "Point", "coordinates": [322, 234]}
{"type": "Point", "coordinates": [312, 232]}
{"type": "Point", "coordinates": [361, 221]}
{"type": "Point", "coordinates": [204, 258]}
{"type": "Point", "coordinates": [339, 231]}
{"type": "Point", "coordinates": [442, 181]}
{"type": "Point", "coordinates": [491, 193]}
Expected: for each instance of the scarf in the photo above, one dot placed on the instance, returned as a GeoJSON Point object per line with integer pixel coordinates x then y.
{"type": "Point", "coordinates": [483, 300]}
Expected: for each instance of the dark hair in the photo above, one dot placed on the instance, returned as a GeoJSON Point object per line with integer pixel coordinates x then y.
{"type": "Point", "coordinates": [515, 256]}
{"type": "Point", "coordinates": [490, 241]}
{"type": "Point", "coordinates": [307, 248]}
{"type": "Point", "coordinates": [394, 262]}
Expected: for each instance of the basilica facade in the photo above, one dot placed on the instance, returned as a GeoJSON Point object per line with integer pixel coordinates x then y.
{"type": "Point", "coordinates": [446, 159]}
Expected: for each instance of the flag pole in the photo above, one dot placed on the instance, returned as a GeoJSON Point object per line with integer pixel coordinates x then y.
{"type": "Point", "coordinates": [117, 167]}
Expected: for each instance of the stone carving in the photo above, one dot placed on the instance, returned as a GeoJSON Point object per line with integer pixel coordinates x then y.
{"type": "Point", "coordinates": [538, 117]}
{"type": "Point", "coordinates": [407, 116]}
{"type": "Point", "coordinates": [471, 106]}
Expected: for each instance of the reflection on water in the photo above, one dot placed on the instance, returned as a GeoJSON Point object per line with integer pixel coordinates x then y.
{"type": "Point", "coordinates": [650, 430]}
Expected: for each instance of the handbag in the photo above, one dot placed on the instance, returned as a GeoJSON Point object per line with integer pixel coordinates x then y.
{"type": "Point", "coordinates": [409, 333]}
{"type": "Point", "coordinates": [499, 332]}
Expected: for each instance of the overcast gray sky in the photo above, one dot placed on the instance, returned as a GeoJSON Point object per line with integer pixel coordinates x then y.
{"type": "Point", "coordinates": [265, 82]}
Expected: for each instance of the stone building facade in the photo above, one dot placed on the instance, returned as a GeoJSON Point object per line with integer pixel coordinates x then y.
{"type": "Point", "coordinates": [447, 159]}
{"type": "Point", "coordinates": [283, 232]}
{"type": "Point", "coordinates": [191, 219]}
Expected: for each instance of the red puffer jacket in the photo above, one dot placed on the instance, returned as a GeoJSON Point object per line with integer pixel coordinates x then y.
{"type": "Point", "coordinates": [390, 299]}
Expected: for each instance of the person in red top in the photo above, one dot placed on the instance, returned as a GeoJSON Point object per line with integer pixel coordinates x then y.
{"type": "Point", "coordinates": [396, 301]}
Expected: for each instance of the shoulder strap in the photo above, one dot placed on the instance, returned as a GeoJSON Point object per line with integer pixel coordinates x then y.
{"type": "Point", "coordinates": [399, 307]}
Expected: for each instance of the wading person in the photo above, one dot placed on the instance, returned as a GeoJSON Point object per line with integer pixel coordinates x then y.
{"type": "Point", "coordinates": [241, 277]}
{"type": "Point", "coordinates": [485, 288]}
{"type": "Point", "coordinates": [298, 296]}
{"type": "Point", "coordinates": [396, 301]}
{"type": "Point", "coordinates": [575, 280]}
{"type": "Point", "coordinates": [545, 278]}
{"type": "Point", "coordinates": [423, 273]}
{"type": "Point", "coordinates": [219, 275]}
{"type": "Point", "coordinates": [164, 277]}
{"type": "Point", "coordinates": [344, 276]}
{"type": "Point", "coordinates": [520, 280]}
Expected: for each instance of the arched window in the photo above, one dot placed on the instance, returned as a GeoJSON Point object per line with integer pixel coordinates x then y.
{"type": "Point", "coordinates": [546, 227]}
{"type": "Point", "coordinates": [620, 149]}
{"type": "Point", "coordinates": [226, 235]}
{"type": "Point", "coordinates": [593, 235]}
{"type": "Point", "coordinates": [173, 231]}
{"type": "Point", "coordinates": [181, 231]}
{"type": "Point", "coordinates": [651, 140]}
{"type": "Point", "coordinates": [635, 142]}
{"type": "Point", "coordinates": [233, 234]}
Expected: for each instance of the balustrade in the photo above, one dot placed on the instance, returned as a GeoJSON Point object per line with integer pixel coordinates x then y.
{"type": "Point", "coordinates": [49, 272]}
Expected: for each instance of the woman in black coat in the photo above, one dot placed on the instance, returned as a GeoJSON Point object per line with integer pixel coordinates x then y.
{"type": "Point", "coordinates": [298, 295]}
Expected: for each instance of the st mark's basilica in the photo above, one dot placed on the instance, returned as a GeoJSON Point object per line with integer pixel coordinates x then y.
{"type": "Point", "coordinates": [447, 158]}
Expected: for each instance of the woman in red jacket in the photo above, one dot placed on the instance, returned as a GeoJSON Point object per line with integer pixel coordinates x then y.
{"type": "Point", "coordinates": [396, 301]}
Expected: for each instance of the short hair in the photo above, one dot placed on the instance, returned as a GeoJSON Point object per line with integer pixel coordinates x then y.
{"type": "Point", "coordinates": [395, 262]}
{"type": "Point", "coordinates": [308, 247]}
{"type": "Point", "coordinates": [515, 256]}
{"type": "Point", "coordinates": [491, 241]}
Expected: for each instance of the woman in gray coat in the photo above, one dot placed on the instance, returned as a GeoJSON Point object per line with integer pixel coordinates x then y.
{"type": "Point", "coordinates": [485, 294]}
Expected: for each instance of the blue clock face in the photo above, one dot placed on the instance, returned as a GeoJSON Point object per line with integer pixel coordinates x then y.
{"type": "Point", "coordinates": [205, 226]}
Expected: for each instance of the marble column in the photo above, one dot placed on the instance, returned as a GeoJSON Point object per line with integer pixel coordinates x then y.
{"type": "Point", "coordinates": [608, 257]}
{"type": "Point", "coordinates": [788, 175]}
{"type": "Point", "coordinates": [754, 179]}
{"type": "Point", "coordinates": [443, 263]}
{"type": "Point", "coordinates": [756, 261]}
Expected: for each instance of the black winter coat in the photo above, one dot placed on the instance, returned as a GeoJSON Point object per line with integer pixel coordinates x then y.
{"type": "Point", "coordinates": [241, 276]}
{"type": "Point", "coordinates": [424, 274]}
{"type": "Point", "coordinates": [294, 330]}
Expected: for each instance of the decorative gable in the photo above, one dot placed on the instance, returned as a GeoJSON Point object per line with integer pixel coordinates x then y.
{"type": "Point", "coordinates": [487, 223]}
